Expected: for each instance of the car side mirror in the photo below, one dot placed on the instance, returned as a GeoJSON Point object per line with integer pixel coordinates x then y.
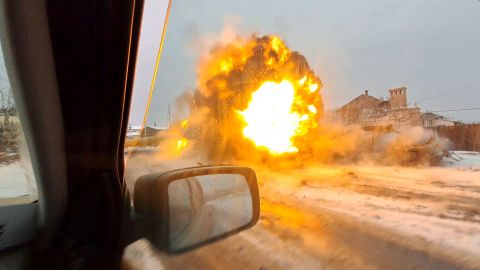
{"type": "Point", "coordinates": [183, 209]}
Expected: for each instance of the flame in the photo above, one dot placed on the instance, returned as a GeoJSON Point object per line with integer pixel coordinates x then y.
{"type": "Point", "coordinates": [270, 122]}
{"type": "Point", "coordinates": [276, 44]}
{"type": "Point", "coordinates": [181, 144]}
{"type": "Point", "coordinates": [226, 65]}
{"type": "Point", "coordinates": [184, 123]}
{"type": "Point", "coordinates": [281, 111]}
{"type": "Point", "coordinates": [274, 115]}
{"type": "Point", "coordinates": [253, 95]}
{"type": "Point", "coordinates": [256, 101]}
{"type": "Point", "coordinates": [302, 80]}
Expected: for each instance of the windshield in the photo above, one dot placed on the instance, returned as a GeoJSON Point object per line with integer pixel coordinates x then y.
{"type": "Point", "coordinates": [361, 121]}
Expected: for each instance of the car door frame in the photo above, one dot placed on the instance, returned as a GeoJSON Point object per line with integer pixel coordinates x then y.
{"type": "Point", "coordinates": [56, 49]}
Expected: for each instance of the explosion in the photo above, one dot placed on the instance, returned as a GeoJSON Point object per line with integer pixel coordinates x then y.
{"type": "Point", "coordinates": [270, 121]}
{"type": "Point", "coordinates": [258, 102]}
{"type": "Point", "coordinates": [254, 95]}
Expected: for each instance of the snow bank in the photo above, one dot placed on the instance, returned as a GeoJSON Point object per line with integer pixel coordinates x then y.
{"type": "Point", "coordinates": [16, 181]}
{"type": "Point", "coordinates": [462, 159]}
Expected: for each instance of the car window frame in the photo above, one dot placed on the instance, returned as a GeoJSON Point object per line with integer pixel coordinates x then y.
{"type": "Point", "coordinates": [27, 51]}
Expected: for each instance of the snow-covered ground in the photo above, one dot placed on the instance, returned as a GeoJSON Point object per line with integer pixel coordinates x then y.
{"type": "Point", "coordinates": [435, 205]}
{"type": "Point", "coordinates": [16, 183]}
{"type": "Point", "coordinates": [347, 217]}
{"type": "Point", "coordinates": [462, 159]}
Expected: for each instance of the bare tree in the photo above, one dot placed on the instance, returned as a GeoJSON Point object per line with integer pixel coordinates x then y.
{"type": "Point", "coordinates": [7, 104]}
{"type": "Point", "coordinates": [10, 104]}
{"type": "Point", "coordinates": [4, 104]}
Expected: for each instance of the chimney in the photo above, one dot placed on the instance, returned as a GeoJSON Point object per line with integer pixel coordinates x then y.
{"type": "Point", "coordinates": [398, 97]}
{"type": "Point", "coordinates": [366, 92]}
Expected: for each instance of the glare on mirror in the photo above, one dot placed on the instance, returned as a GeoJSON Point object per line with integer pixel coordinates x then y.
{"type": "Point", "coordinates": [207, 206]}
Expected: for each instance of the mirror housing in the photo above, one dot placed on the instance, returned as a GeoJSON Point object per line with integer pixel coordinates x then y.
{"type": "Point", "coordinates": [153, 210]}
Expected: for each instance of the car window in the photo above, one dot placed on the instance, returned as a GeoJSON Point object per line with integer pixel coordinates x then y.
{"type": "Point", "coordinates": [361, 121]}
{"type": "Point", "coordinates": [17, 181]}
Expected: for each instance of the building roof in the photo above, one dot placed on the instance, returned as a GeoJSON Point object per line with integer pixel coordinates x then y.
{"type": "Point", "coordinates": [132, 127]}
{"type": "Point", "coordinates": [158, 128]}
{"type": "Point", "coordinates": [434, 116]}
{"type": "Point", "coordinates": [135, 127]}
{"type": "Point", "coordinates": [364, 101]}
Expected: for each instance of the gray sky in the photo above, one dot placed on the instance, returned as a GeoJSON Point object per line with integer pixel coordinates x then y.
{"type": "Point", "coordinates": [429, 46]}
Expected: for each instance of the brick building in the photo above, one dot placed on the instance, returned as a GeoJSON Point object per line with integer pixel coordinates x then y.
{"type": "Point", "coordinates": [431, 120]}
{"type": "Point", "coordinates": [366, 111]}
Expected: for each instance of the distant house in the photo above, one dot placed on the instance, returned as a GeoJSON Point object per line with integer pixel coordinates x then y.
{"type": "Point", "coordinates": [431, 120]}
{"type": "Point", "coordinates": [366, 111]}
{"type": "Point", "coordinates": [148, 131]}
{"type": "Point", "coordinates": [152, 131]}
{"type": "Point", "coordinates": [134, 131]}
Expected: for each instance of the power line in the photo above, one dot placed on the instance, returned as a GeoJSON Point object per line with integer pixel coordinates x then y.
{"type": "Point", "coordinates": [457, 110]}
{"type": "Point", "coordinates": [446, 93]}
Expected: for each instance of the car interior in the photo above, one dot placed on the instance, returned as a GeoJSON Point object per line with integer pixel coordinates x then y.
{"type": "Point", "coordinates": [71, 69]}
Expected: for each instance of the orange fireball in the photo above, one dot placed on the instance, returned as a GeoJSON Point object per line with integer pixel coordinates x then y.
{"type": "Point", "coordinates": [254, 95]}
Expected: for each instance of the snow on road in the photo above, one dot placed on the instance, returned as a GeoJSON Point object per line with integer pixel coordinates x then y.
{"type": "Point", "coordinates": [437, 206]}
{"type": "Point", "coordinates": [356, 216]}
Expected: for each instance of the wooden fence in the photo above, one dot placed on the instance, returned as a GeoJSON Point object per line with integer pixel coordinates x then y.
{"type": "Point", "coordinates": [462, 137]}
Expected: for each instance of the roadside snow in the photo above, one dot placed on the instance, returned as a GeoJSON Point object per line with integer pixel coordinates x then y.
{"type": "Point", "coordinates": [439, 205]}
{"type": "Point", "coordinates": [436, 208]}
{"type": "Point", "coordinates": [462, 159]}
{"type": "Point", "coordinates": [16, 181]}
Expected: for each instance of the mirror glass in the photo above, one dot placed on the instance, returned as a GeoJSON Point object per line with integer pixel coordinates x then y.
{"type": "Point", "coordinates": [203, 207]}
